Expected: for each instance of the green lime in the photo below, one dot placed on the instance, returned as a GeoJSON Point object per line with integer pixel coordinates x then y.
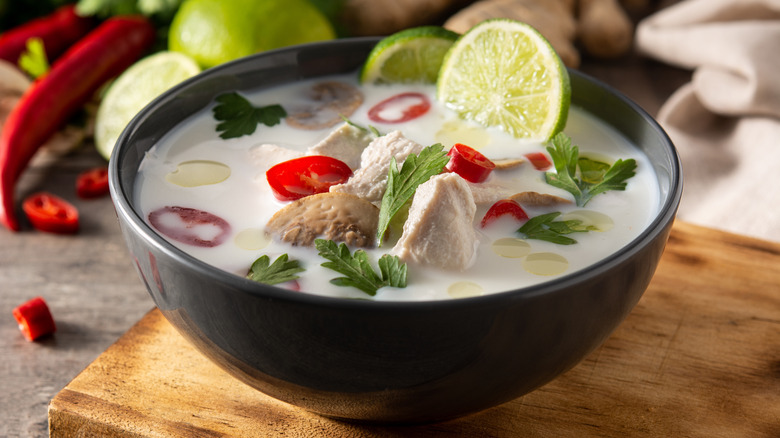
{"type": "Point", "coordinates": [217, 31]}
{"type": "Point", "coordinates": [408, 56]}
{"type": "Point", "coordinates": [503, 73]}
{"type": "Point", "coordinates": [134, 89]}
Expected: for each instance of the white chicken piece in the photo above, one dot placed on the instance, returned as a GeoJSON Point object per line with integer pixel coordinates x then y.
{"type": "Point", "coordinates": [439, 230]}
{"type": "Point", "coordinates": [345, 143]}
{"type": "Point", "coordinates": [370, 180]}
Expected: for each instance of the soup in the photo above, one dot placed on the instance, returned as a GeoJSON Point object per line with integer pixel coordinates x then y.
{"type": "Point", "coordinates": [193, 170]}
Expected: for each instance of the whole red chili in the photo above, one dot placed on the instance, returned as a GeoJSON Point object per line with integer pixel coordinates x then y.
{"type": "Point", "coordinates": [58, 31]}
{"type": "Point", "coordinates": [53, 98]}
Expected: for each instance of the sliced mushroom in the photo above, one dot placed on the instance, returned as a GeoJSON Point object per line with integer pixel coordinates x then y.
{"type": "Point", "coordinates": [332, 101]}
{"type": "Point", "coordinates": [508, 163]}
{"type": "Point", "coordinates": [340, 217]}
{"type": "Point", "coordinates": [536, 199]}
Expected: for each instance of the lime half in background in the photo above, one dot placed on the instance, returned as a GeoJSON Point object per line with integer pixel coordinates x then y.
{"type": "Point", "coordinates": [503, 73]}
{"type": "Point", "coordinates": [216, 31]}
{"type": "Point", "coordinates": [134, 89]}
{"type": "Point", "coordinates": [409, 56]}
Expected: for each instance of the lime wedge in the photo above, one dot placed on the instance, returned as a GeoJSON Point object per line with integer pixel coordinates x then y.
{"type": "Point", "coordinates": [409, 56]}
{"type": "Point", "coordinates": [134, 89]}
{"type": "Point", "coordinates": [503, 73]}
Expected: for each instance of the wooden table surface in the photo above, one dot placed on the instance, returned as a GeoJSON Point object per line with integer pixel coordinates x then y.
{"type": "Point", "coordinates": [91, 285]}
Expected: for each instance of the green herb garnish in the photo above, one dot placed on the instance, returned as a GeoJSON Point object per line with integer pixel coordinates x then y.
{"type": "Point", "coordinates": [370, 129]}
{"type": "Point", "coordinates": [545, 227]}
{"type": "Point", "coordinates": [595, 177]}
{"type": "Point", "coordinates": [402, 184]}
{"type": "Point", "coordinates": [33, 61]}
{"type": "Point", "coordinates": [358, 271]}
{"type": "Point", "coordinates": [239, 117]}
{"type": "Point", "coordinates": [281, 270]}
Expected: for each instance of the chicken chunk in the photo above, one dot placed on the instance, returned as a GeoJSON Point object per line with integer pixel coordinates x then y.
{"type": "Point", "coordinates": [336, 216]}
{"type": "Point", "coordinates": [439, 230]}
{"type": "Point", "coordinates": [346, 143]}
{"type": "Point", "coordinates": [370, 180]}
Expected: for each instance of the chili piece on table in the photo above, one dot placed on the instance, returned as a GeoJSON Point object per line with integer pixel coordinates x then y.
{"type": "Point", "coordinates": [504, 207]}
{"type": "Point", "coordinates": [92, 183]}
{"type": "Point", "coordinates": [51, 213]}
{"type": "Point", "coordinates": [304, 176]}
{"type": "Point", "coordinates": [400, 108]}
{"type": "Point", "coordinates": [34, 319]}
{"type": "Point", "coordinates": [469, 163]}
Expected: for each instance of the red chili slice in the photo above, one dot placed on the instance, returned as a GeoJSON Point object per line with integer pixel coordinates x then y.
{"type": "Point", "coordinates": [92, 183]}
{"type": "Point", "coordinates": [34, 319]}
{"type": "Point", "coordinates": [539, 160]}
{"type": "Point", "coordinates": [50, 213]}
{"type": "Point", "coordinates": [502, 208]}
{"type": "Point", "coordinates": [404, 107]}
{"type": "Point", "coordinates": [304, 176]}
{"type": "Point", "coordinates": [469, 164]}
{"type": "Point", "coordinates": [190, 226]}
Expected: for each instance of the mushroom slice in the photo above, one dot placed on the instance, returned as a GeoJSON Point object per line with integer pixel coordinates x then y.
{"type": "Point", "coordinates": [332, 102]}
{"type": "Point", "coordinates": [340, 217]}
{"type": "Point", "coordinates": [507, 163]}
{"type": "Point", "coordinates": [536, 199]}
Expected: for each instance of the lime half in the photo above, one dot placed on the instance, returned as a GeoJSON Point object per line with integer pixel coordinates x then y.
{"type": "Point", "coordinates": [503, 73]}
{"type": "Point", "coordinates": [409, 56]}
{"type": "Point", "coordinates": [134, 89]}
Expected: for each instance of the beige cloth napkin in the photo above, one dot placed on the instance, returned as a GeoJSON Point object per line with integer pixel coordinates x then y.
{"type": "Point", "coordinates": [726, 121]}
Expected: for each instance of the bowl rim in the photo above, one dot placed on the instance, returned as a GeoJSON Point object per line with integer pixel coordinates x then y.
{"type": "Point", "coordinates": [124, 208]}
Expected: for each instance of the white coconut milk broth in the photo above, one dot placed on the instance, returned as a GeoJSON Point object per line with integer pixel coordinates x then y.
{"type": "Point", "coordinates": [245, 200]}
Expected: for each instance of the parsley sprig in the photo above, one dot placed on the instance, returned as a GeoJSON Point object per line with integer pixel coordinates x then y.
{"type": "Point", "coordinates": [545, 227]}
{"type": "Point", "coordinates": [357, 269]}
{"type": "Point", "coordinates": [238, 117]}
{"type": "Point", "coordinates": [402, 184]}
{"type": "Point", "coordinates": [594, 177]}
{"type": "Point", "coordinates": [281, 270]}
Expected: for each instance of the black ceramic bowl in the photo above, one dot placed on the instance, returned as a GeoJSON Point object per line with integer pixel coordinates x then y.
{"type": "Point", "coordinates": [385, 361]}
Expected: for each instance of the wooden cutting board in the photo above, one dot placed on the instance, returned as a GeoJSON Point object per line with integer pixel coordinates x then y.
{"type": "Point", "coordinates": [699, 356]}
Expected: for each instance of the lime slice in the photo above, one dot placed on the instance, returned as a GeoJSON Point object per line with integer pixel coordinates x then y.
{"type": "Point", "coordinates": [409, 56]}
{"type": "Point", "coordinates": [134, 89]}
{"type": "Point", "coordinates": [503, 73]}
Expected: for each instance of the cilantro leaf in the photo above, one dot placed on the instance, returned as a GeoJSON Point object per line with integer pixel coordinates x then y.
{"type": "Point", "coordinates": [357, 270]}
{"type": "Point", "coordinates": [239, 117]}
{"type": "Point", "coordinates": [402, 184]}
{"type": "Point", "coordinates": [281, 270]}
{"type": "Point", "coordinates": [545, 227]}
{"type": "Point", "coordinates": [595, 177]}
{"type": "Point", "coordinates": [33, 60]}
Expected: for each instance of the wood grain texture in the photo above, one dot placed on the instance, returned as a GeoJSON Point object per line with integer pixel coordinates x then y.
{"type": "Point", "coordinates": [697, 357]}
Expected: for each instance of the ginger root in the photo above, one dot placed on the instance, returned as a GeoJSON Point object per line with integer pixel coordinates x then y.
{"type": "Point", "coordinates": [383, 17]}
{"type": "Point", "coordinates": [604, 28]}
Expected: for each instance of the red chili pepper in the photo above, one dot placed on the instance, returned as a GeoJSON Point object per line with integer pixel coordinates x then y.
{"type": "Point", "coordinates": [469, 164]}
{"type": "Point", "coordinates": [92, 183]}
{"type": "Point", "coordinates": [53, 98]}
{"type": "Point", "coordinates": [502, 208]}
{"type": "Point", "coordinates": [50, 213]}
{"type": "Point", "coordinates": [190, 226]}
{"type": "Point", "coordinates": [539, 160]}
{"type": "Point", "coordinates": [58, 31]}
{"type": "Point", "coordinates": [404, 107]}
{"type": "Point", "coordinates": [34, 319]}
{"type": "Point", "coordinates": [309, 175]}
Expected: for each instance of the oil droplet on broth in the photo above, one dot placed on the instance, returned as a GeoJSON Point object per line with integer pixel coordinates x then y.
{"type": "Point", "coordinates": [456, 131]}
{"type": "Point", "coordinates": [465, 289]}
{"type": "Point", "coordinates": [594, 220]}
{"type": "Point", "coordinates": [511, 247]}
{"type": "Point", "coordinates": [252, 239]}
{"type": "Point", "coordinates": [545, 263]}
{"type": "Point", "coordinates": [198, 173]}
